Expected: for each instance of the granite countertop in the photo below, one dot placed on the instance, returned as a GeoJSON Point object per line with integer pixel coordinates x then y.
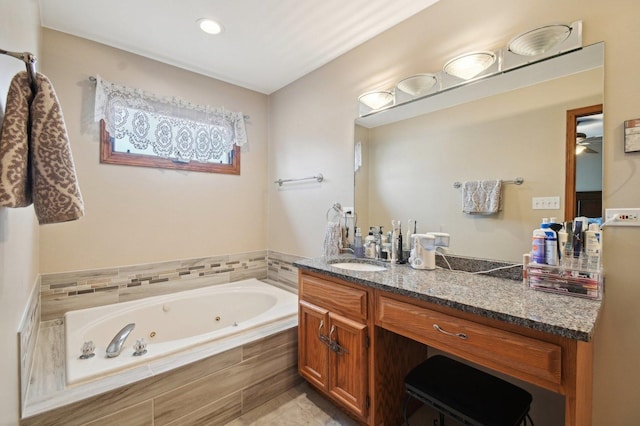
{"type": "Point", "coordinates": [504, 299]}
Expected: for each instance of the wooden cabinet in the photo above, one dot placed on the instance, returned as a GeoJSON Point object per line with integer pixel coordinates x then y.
{"type": "Point", "coordinates": [338, 319]}
{"type": "Point", "coordinates": [333, 349]}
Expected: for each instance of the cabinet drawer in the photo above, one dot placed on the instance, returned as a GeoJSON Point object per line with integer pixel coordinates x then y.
{"type": "Point", "coordinates": [498, 349]}
{"type": "Point", "coordinates": [348, 301]}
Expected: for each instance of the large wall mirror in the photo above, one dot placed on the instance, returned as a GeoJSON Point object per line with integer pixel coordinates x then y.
{"type": "Point", "coordinates": [412, 154]}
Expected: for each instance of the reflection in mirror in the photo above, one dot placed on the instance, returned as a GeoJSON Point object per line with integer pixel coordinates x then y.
{"type": "Point", "coordinates": [409, 166]}
{"type": "Point", "coordinates": [583, 185]}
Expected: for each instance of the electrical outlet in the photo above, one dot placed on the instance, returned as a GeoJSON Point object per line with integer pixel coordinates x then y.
{"type": "Point", "coordinates": [348, 211]}
{"type": "Point", "coordinates": [545, 203]}
{"type": "Point", "coordinates": [626, 217]}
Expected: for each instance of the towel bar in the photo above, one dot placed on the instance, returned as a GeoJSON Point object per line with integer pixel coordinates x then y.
{"type": "Point", "coordinates": [318, 178]}
{"type": "Point", "coordinates": [29, 60]}
{"type": "Point", "coordinates": [516, 181]}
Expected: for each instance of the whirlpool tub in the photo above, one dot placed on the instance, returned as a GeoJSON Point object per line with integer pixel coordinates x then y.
{"type": "Point", "coordinates": [171, 323]}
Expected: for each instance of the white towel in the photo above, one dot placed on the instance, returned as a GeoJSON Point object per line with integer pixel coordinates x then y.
{"type": "Point", "coordinates": [332, 239]}
{"type": "Point", "coordinates": [481, 196]}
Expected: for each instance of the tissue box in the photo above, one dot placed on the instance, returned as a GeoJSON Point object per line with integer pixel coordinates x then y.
{"type": "Point", "coordinates": [569, 281]}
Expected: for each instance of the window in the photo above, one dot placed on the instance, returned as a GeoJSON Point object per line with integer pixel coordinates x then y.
{"type": "Point", "coordinates": [141, 129]}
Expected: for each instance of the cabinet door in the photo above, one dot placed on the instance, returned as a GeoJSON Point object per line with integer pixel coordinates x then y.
{"type": "Point", "coordinates": [313, 354]}
{"type": "Point", "coordinates": [348, 363]}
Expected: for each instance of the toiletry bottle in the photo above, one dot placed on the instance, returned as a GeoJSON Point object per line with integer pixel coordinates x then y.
{"type": "Point", "coordinates": [563, 236]}
{"type": "Point", "coordinates": [550, 244]}
{"type": "Point", "coordinates": [370, 245]}
{"type": "Point", "coordinates": [567, 254]}
{"type": "Point", "coordinates": [400, 246]}
{"type": "Point", "coordinates": [358, 248]}
{"type": "Point", "coordinates": [593, 246]}
{"type": "Point", "coordinates": [578, 242]}
{"type": "Point", "coordinates": [537, 245]}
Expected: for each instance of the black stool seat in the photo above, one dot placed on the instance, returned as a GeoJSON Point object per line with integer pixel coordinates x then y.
{"type": "Point", "coordinates": [467, 394]}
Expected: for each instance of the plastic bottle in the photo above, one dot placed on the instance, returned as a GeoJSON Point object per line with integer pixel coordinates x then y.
{"type": "Point", "coordinates": [550, 244]}
{"type": "Point", "coordinates": [538, 244]}
{"type": "Point", "coordinates": [563, 237]}
{"type": "Point", "coordinates": [358, 248]}
{"type": "Point", "coordinates": [370, 246]}
{"type": "Point", "coordinates": [593, 245]}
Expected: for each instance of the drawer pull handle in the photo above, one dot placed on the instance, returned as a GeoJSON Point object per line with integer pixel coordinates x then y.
{"type": "Point", "coordinates": [459, 335]}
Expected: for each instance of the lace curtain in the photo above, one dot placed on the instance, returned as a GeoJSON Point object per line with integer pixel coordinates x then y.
{"type": "Point", "coordinates": [173, 127]}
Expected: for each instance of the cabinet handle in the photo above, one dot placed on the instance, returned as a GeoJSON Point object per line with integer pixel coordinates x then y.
{"type": "Point", "coordinates": [458, 335]}
{"type": "Point", "coordinates": [334, 345]}
{"type": "Point", "coordinates": [324, 339]}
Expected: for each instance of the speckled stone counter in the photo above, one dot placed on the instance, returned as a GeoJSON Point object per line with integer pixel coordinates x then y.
{"type": "Point", "coordinates": [503, 299]}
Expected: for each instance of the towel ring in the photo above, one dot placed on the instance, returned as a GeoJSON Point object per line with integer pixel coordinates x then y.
{"type": "Point", "coordinates": [337, 209]}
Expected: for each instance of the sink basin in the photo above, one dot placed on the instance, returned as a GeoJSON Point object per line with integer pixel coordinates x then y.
{"type": "Point", "coordinates": [353, 266]}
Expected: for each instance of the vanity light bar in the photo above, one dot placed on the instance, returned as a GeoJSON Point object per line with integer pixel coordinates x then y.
{"type": "Point", "coordinates": [528, 47]}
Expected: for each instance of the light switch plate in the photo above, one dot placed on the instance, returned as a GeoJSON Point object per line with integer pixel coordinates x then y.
{"type": "Point", "coordinates": [545, 203]}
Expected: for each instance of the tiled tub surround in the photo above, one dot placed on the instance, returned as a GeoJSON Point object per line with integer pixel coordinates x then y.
{"type": "Point", "coordinates": [209, 384]}
{"type": "Point", "coordinates": [507, 300]}
{"type": "Point", "coordinates": [62, 292]}
{"type": "Point", "coordinates": [281, 270]}
{"type": "Point", "coordinates": [68, 291]}
{"type": "Point", "coordinates": [27, 337]}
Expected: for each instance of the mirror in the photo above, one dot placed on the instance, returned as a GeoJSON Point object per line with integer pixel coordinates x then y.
{"type": "Point", "coordinates": [411, 154]}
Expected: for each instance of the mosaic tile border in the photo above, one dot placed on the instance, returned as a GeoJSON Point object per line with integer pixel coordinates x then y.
{"type": "Point", "coordinates": [28, 335]}
{"type": "Point", "coordinates": [62, 292]}
{"type": "Point", "coordinates": [282, 270]}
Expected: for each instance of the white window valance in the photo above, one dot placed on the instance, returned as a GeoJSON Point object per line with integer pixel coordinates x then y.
{"type": "Point", "coordinates": [172, 127]}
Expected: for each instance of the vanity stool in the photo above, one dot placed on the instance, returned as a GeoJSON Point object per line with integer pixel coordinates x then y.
{"type": "Point", "coordinates": [466, 394]}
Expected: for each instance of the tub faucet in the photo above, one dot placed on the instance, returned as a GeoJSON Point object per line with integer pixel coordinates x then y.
{"type": "Point", "coordinates": [114, 348]}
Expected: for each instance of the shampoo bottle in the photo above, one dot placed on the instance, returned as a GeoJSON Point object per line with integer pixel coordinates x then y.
{"type": "Point", "coordinates": [358, 248]}
{"type": "Point", "coordinates": [550, 244]}
{"type": "Point", "coordinates": [537, 244]}
{"type": "Point", "coordinates": [593, 245]}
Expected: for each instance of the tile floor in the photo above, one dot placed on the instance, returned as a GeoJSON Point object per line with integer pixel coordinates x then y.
{"type": "Point", "coordinates": [302, 405]}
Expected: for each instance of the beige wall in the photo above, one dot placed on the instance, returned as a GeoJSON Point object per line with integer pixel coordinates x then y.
{"type": "Point", "coordinates": [19, 31]}
{"type": "Point", "coordinates": [138, 215]}
{"type": "Point", "coordinates": [311, 129]}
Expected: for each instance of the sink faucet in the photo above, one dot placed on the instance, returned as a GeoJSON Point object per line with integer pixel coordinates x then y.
{"type": "Point", "coordinates": [115, 347]}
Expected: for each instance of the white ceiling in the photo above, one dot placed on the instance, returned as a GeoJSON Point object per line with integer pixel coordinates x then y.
{"type": "Point", "coordinates": [266, 44]}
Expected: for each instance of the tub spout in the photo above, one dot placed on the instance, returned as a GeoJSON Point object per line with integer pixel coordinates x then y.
{"type": "Point", "coordinates": [114, 348]}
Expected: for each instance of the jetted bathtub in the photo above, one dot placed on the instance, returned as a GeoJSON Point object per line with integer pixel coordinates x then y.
{"type": "Point", "coordinates": [170, 323]}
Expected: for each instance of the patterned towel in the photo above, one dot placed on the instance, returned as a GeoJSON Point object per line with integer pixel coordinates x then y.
{"type": "Point", "coordinates": [481, 196]}
{"type": "Point", "coordinates": [39, 167]}
{"type": "Point", "coordinates": [15, 173]}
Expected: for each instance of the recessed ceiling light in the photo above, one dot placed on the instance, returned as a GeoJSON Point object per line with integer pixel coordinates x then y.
{"type": "Point", "coordinates": [210, 26]}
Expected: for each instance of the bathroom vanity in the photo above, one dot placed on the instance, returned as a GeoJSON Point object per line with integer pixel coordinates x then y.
{"type": "Point", "coordinates": [360, 332]}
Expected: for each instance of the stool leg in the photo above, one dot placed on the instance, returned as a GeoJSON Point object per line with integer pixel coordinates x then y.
{"type": "Point", "coordinates": [404, 409]}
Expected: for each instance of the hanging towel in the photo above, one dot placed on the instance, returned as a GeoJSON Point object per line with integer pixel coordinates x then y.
{"type": "Point", "coordinates": [56, 194]}
{"type": "Point", "coordinates": [481, 196]}
{"type": "Point", "coordinates": [332, 239]}
{"type": "Point", "coordinates": [15, 170]}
